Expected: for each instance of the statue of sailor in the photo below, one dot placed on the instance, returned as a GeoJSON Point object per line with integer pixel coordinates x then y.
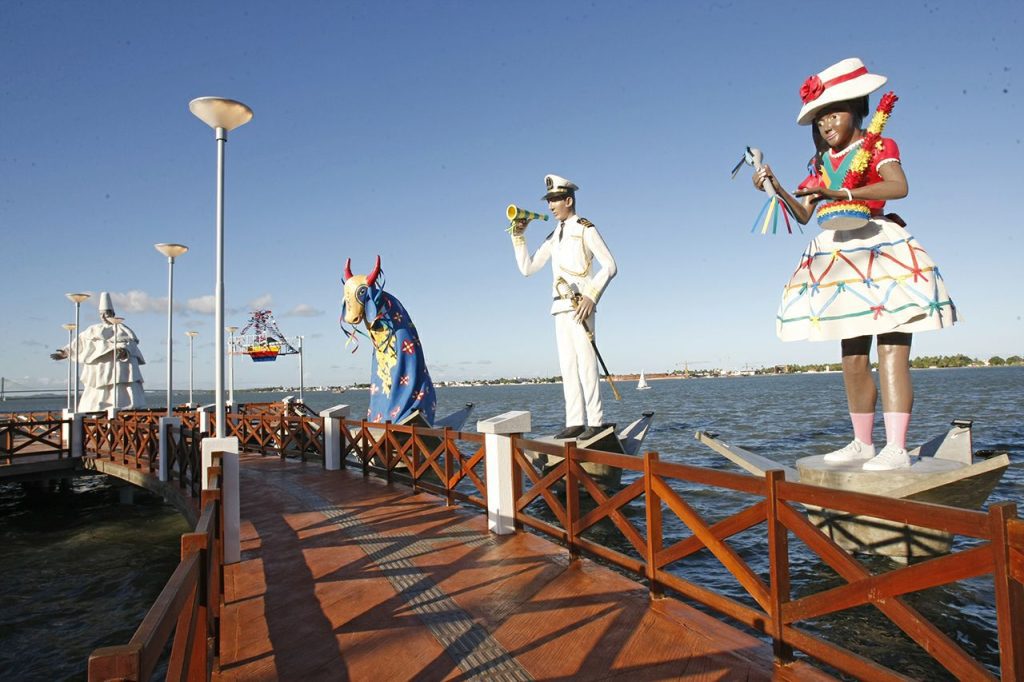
{"type": "Point", "coordinates": [110, 360]}
{"type": "Point", "coordinates": [576, 288]}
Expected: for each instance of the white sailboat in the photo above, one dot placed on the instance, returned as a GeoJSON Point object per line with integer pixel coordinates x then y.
{"type": "Point", "coordinates": [642, 385]}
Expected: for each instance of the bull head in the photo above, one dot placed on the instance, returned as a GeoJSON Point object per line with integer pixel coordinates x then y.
{"type": "Point", "coordinates": [358, 296]}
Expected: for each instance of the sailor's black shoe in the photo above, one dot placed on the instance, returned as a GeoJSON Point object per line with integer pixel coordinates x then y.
{"type": "Point", "coordinates": [569, 432]}
{"type": "Point", "coordinates": [592, 431]}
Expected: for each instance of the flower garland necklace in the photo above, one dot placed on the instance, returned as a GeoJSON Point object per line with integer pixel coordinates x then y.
{"type": "Point", "coordinates": [870, 143]}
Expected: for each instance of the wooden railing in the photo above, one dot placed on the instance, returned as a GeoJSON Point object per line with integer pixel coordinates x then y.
{"type": "Point", "coordinates": [184, 457]}
{"type": "Point", "coordinates": [995, 547]}
{"type": "Point", "coordinates": [428, 459]}
{"type": "Point", "coordinates": [44, 415]}
{"type": "Point", "coordinates": [130, 441]}
{"type": "Point", "coordinates": [188, 608]}
{"type": "Point", "coordinates": [270, 433]}
{"type": "Point", "coordinates": [190, 419]}
{"type": "Point", "coordinates": [30, 435]}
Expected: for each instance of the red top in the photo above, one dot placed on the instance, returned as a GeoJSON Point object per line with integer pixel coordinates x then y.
{"type": "Point", "coordinates": [889, 151]}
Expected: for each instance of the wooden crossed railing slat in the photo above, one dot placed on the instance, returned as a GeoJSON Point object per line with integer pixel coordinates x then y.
{"type": "Point", "coordinates": [184, 455]}
{"type": "Point", "coordinates": [542, 484]}
{"type": "Point", "coordinates": [908, 619]}
{"type": "Point", "coordinates": [424, 457]}
{"type": "Point", "coordinates": [701, 530]}
{"type": "Point", "coordinates": [32, 437]}
{"type": "Point", "coordinates": [464, 467]}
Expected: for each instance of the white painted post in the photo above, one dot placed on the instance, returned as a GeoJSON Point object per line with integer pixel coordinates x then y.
{"type": "Point", "coordinates": [332, 435]}
{"type": "Point", "coordinates": [165, 446]}
{"type": "Point", "coordinates": [66, 429]}
{"type": "Point", "coordinates": [73, 433]}
{"type": "Point", "coordinates": [498, 467]}
{"type": "Point", "coordinates": [229, 491]}
{"type": "Point", "coordinates": [204, 417]}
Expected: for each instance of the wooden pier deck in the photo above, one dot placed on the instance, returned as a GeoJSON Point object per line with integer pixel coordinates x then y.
{"type": "Point", "coordinates": [346, 578]}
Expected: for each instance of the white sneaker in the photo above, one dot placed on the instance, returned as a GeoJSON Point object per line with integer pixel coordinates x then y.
{"type": "Point", "coordinates": [853, 452]}
{"type": "Point", "coordinates": [891, 457]}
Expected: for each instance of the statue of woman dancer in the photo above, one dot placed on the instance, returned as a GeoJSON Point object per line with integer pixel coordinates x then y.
{"type": "Point", "coordinates": [873, 280]}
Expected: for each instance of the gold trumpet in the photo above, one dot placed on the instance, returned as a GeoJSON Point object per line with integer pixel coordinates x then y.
{"type": "Point", "coordinates": [514, 213]}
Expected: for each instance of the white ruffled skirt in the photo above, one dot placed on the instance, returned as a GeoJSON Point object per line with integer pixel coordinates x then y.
{"type": "Point", "coordinates": [868, 281]}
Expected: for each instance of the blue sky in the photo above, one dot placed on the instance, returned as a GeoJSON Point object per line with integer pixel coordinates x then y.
{"type": "Point", "coordinates": [404, 128]}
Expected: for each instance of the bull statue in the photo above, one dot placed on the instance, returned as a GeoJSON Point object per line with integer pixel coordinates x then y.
{"type": "Point", "coordinates": [399, 380]}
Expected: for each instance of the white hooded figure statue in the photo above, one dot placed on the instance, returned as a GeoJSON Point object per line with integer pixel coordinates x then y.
{"type": "Point", "coordinates": [108, 382]}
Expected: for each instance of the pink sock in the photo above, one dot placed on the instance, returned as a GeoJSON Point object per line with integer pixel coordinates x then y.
{"type": "Point", "coordinates": [896, 424]}
{"type": "Point", "coordinates": [863, 425]}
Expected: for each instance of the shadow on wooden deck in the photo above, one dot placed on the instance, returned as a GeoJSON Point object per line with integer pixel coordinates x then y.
{"type": "Point", "coordinates": [348, 578]}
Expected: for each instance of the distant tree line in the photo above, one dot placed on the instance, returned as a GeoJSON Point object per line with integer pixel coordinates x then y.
{"type": "Point", "coordinates": [922, 362]}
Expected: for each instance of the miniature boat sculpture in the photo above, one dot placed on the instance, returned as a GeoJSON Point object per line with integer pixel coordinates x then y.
{"type": "Point", "coordinates": [627, 442]}
{"type": "Point", "coordinates": [945, 471]}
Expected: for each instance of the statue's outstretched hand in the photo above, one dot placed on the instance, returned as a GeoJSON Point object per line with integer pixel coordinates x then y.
{"type": "Point", "coordinates": [59, 355]}
{"type": "Point", "coordinates": [519, 227]}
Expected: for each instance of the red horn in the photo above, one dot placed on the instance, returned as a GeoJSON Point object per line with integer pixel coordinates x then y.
{"type": "Point", "coordinates": [348, 270]}
{"type": "Point", "coordinates": [373, 275]}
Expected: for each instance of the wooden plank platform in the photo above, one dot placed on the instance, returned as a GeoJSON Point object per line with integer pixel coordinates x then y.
{"type": "Point", "coordinates": [346, 578]}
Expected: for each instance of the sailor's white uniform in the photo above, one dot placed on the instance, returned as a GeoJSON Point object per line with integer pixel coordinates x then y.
{"type": "Point", "coordinates": [572, 248]}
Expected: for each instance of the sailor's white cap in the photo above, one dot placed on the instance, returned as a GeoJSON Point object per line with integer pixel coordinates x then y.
{"type": "Point", "coordinates": [105, 304]}
{"type": "Point", "coordinates": [558, 186]}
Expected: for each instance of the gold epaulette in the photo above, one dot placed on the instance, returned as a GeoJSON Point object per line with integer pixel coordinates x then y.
{"type": "Point", "coordinates": [584, 222]}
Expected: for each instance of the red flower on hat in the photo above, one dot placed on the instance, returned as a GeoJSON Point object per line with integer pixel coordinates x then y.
{"type": "Point", "coordinates": [811, 89]}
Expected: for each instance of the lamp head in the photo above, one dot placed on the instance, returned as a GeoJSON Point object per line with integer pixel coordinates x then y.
{"type": "Point", "coordinates": [191, 334]}
{"type": "Point", "coordinates": [171, 250]}
{"type": "Point", "coordinates": [77, 298]}
{"type": "Point", "coordinates": [70, 326]}
{"type": "Point", "coordinates": [220, 112]}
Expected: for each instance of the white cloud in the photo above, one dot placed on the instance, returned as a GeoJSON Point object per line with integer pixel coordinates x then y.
{"type": "Point", "coordinates": [261, 303]}
{"type": "Point", "coordinates": [204, 305]}
{"type": "Point", "coordinates": [303, 310]}
{"type": "Point", "coordinates": [136, 301]}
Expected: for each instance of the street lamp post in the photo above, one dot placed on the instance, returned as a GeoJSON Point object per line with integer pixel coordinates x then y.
{"type": "Point", "coordinates": [222, 115]}
{"type": "Point", "coordinates": [70, 327]}
{"type": "Point", "coordinates": [172, 251]}
{"type": "Point", "coordinates": [77, 300]}
{"type": "Point", "coordinates": [191, 375]}
{"type": "Point", "coordinates": [301, 373]}
{"type": "Point", "coordinates": [231, 364]}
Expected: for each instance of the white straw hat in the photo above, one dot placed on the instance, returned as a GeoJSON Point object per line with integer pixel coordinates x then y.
{"type": "Point", "coordinates": [848, 79]}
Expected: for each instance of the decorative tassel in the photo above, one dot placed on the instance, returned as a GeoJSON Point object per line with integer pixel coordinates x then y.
{"type": "Point", "coordinates": [759, 216]}
{"type": "Point", "coordinates": [769, 216]}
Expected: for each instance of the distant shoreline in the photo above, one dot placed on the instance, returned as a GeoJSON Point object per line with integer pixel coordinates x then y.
{"type": "Point", "coordinates": [624, 378]}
